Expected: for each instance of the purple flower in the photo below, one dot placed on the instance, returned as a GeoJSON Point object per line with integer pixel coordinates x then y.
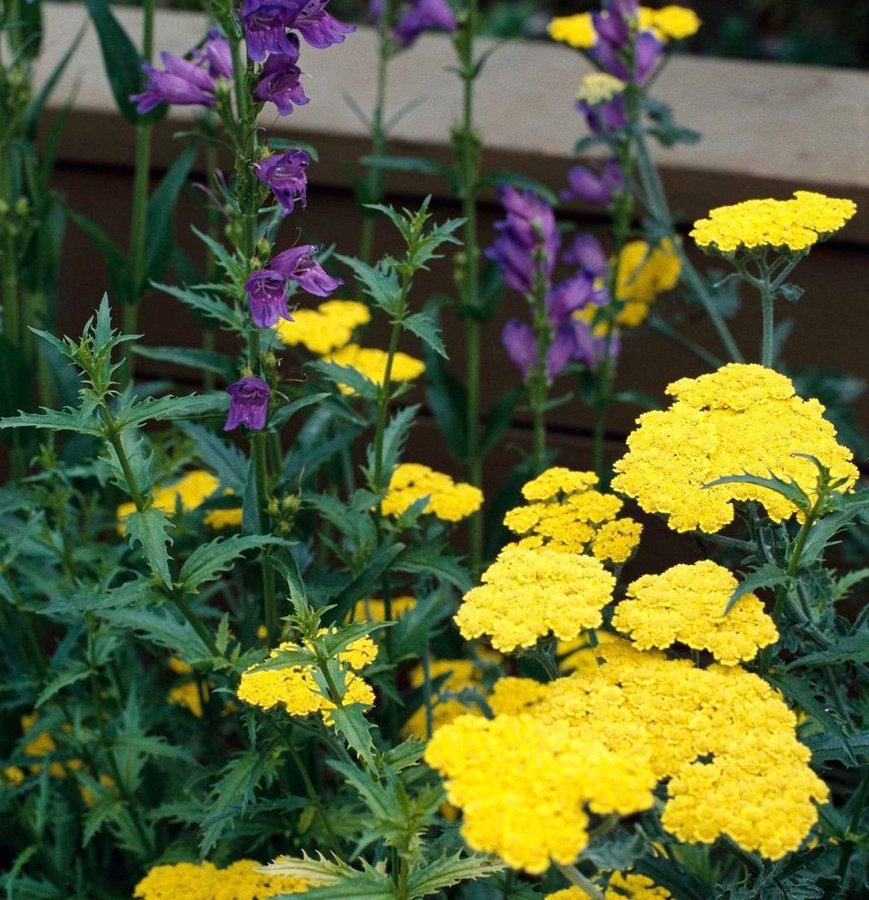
{"type": "Point", "coordinates": [594, 187]}
{"type": "Point", "coordinates": [565, 298]}
{"type": "Point", "coordinates": [561, 350]}
{"type": "Point", "coordinates": [265, 25]}
{"type": "Point", "coordinates": [279, 82]}
{"type": "Point", "coordinates": [520, 343]}
{"type": "Point", "coordinates": [267, 297]}
{"type": "Point", "coordinates": [527, 241]}
{"type": "Point", "coordinates": [320, 29]}
{"type": "Point", "coordinates": [284, 173]}
{"type": "Point", "coordinates": [647, 51]}
{"type": "Point", "coordinates": [606, 117]}
{"type": "Point", "coordinates": [586, 253]}
{"type": "Point", "coordinates": [588, 349]}
{"type": "Point", "coordinates": [183, 83]}
{"type": "Point", "coordinates": [248, 404]}
{"type": "Point", "coordinates": [216, 55]}
{"type": "Point", "coordinates": [612, 28]}
{"type": "Point", "coordinates": [423, 15]}
{"type": "Point", "coordinates": [298, 264]}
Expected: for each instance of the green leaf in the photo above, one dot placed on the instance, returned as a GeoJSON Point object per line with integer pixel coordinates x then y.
{"type": "Point", "coordinates": [206, 304]}
{"type": "Point", "coordinates": [426, 328]}
{"type": "Point", "coordinates": [801, 692]}
{"type": "Point", "coordinates": [851, 649]}
{"type": "Point", "coordinates": [121, 60]}
{"type": "Point", "coordinates": [77, 672]}
{"type": "Point", "coordinates": [449, 870]}
{"type": "Point", "coordinates": [161, 629]}
{"type": "Point", "coordinates": [394, 438]}
{"type": "Point", "coordinates": [373, 795]}
{"type": "Point", "coordinates": [229, 463]}
{"type": "Point", "coordinates": [361, 585]}
{"type": "Point", "coordinates": [425, 559]}
{"type": "Point", "coordinates": [209, 560]}
{"type": "Point", "coordinates": [168, 408]}
{"type": "Point", "coordinates": [231, 795]}
{"type": "Point", "coordinates": [67, 419]}
{"type": "Point", "coordinates": [766, 576]}
{"type": "Point", "coordinates": [843, 585]}
{"type": "Point", "coordinates": [790, 490]}
{"type": "Point", "coordinates": [201, 360]}
{"type": "Point", "coordinates": [499, 418]}
{"type": "Point", "coordinates": [150, 529]}
{"type": "Point", "coordinates": [826, 747]}
{"type": "Point", "coordinates": [350, 377]}
{"type": "Point", "coordinates": [285, 413]}
{"type": "Point", "coordinates": [380, 282]}
{"type": "Point", "coordinates": [160, 218]}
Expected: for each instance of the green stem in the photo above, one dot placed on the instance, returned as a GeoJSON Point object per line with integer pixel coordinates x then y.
{"type": "Point", "coordinates": [385, 394]}
{"type": "Point", "coordinates": [856, 818]}
{"type": "Point", "coordinates": [576, 878]}
{"type": "Point", "coordinates": [469, 177]}
{"type": "Point", "coordinates": [656, 201]}
{"type": "Point", "coordinates": [314, 797]}
{"type": "Point", "coordinates": [767, 352]}
{"type": "Point", "coordinates": [139, 214]}
{"type": "Point", "coordinates": [375, 183]}
{"type": "Point", "coordinates": [403, 875]}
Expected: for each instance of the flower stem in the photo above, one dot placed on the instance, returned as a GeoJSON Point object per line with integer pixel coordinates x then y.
{"type": "Point", "coordinates": [576, 878]}
{"type": "Point", "coordinates": [767, 351]}
{"type": "Point", "coordinates": [139, 215]}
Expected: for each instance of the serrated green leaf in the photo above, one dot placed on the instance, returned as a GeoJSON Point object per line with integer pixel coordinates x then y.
{"type": "Point", "coordinates": [766, 576]}
{"type": "Point", "coordinates": [227, 461]}
{"type": "Point", "coordinates": [826, 747]}
{"type": "Point", "coordinates": [208, 561]}
{"type": "Point", "coordinates": [790, 490]}
{"type": "Point", "coordinates": [851, 649]}
{"type": "Point", "coordinates": [77, 672]}
{"type": "Point", "coordinates": [848, 581]}
{"type": "Point", "coordinates": [286, 412]}
{"type": "Point", "coordinates": [231, 795]}
{"type": "Point", "coordinates": [373, 795]}
{"type": "Point", "coordinates": [394, 438]}
{"type": "Point", "coordinates": [67, 419]}
{"type": "Point", "coordinates": [430, 560]}
{"type": "Point", "coordinates": [360, 586]}
{"type": "Point", "coordinates": [169, 408]}
{"type": "Point", "coordinates": [206, 304]}
{"type": "Point", "coordinates": [379, 282]}
{"type": "Point", "coordinates": [426, 328]}
{"type": "Point", "coordinates": [161, 629]}
{"type": "Point", "coordinates": [150, 529]}
{"type": "Point", "coordinates": [100, 812]}
{"type": "Point", "coordinates": [351, 724]}
{"type": "Point", "coordinates": [350, 377]}
{"type": "Point", "coordinates": [201, 360]}
{"type": "Point", "coordinates": [449, 870]}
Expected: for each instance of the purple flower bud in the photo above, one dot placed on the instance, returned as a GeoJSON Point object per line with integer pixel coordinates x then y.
{"type": "Point", "coordinates": [606, 117]}
{"type": "Point", "coordinates": [520, 343]}
{"type": "Point", "coordinates": [610, 58]}
{"type": "Point", "coordinates": [594, 187]}
{"type": "Point", "coordinates": [565, 298]}
{"type": "Point", "coordinates": [267, 297]}
{"type": "Point", "coordinates": [248, 404]}
{"type": "Point", "coordinates": [265, 25]}
{"type": "Point", "coordinates": [216, 55]}
{"type": "Point", "coordinates": [625, 9]}
{"type": "Point", "coordinates": [284, 173]}
{"type": "Point", "coordinates": [590, 350]}
{"type": "Point", "coordinates": [561, 350]}
{"type": "Point", "coordinates": [279, 82]}
{"type": "Point", "coordinates": [299, 265]}
{"type": "Point", "coordinates": [612, 28]}
{"type": "Point", "coordinates": [586, 253]}
{"type": "Point", "coordinates": [647, 52]}
{"type": "Point", "coordinates": [320, 29]}
{"type": "Point", "coordinates": [423, 15]}
{"type": "Point", "coordinates": [183, 83]}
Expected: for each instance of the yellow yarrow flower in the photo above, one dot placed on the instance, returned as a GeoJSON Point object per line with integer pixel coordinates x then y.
{"type": "Point", "coordinates": [575, 31]}
{"type": "Point", "coordinates": [529, 593]}
{"type": "Point", "coordinates": [644, 272]}
{"type": "Point", "coordinates": [599, 87]}
{"type": "Point", "coordinates": [673, 23]}
{"type": "Point", "coordinates": [324, 329]}
{"type": "Point", "coordinates": [371, 363]}
{"type": "Point", "coordinates": [188, 696]}
{"type": "Point", "coordinates": [524, 786]}
{"type": "Point", "coordinates": [619, 886]}
{"type": "Point", "coordinates": [204, 881]}
{"type": "Point", "coordinates": [300, 688]}
{"type": "Point", "coordinates": [744, 418]}
{"type": "Point", "coordinates": [569, 515]}
{"type": "Point", "coordinates": [722, 735]}
{"type": "Point", "coordinates": [448, 500]}
{"type": "Point", "coordinates": [461, 674]}
{"type": "Point", "coordinates": [374, 609]}
{"type": "Point", "coordinates": [787, 225]}
{"type": "Point", "coordinates": [686, 605]}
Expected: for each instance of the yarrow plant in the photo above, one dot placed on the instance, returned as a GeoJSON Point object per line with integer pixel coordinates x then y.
{"type": "Point", "coordinates": [244, 654]}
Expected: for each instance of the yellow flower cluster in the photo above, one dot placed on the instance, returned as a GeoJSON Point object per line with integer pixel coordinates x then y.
{"type": "Point", "coordinates": [204, 881]}
{"type": "Point", "coordinates": [374, 609]}
{"type": "Point", "coordinates": [619, 886]}
{"type": "Point", "coordinates": [644, 272]}
{"type": "Point", "coordinates": [599, 87]}
{"type": "Point", "coordinates": [686, 605]}
{"type": "Point", "coordinates": [43, 745]}
{"type": "Point", "coordinates": [671, 23]}
{"type": "Point", "coordinates": [460, 675]}
{"type": "Point", "coordinates": [722, 735]}
{"type": "Point", "coordinates": [744, 418]}
{"type": "Point", "coordinates": [566, 513]}
{"type": "Point", "coordinates": [191, 491]}
{"type": "Point", "coordinates": [324, 329]}
{"type": "Point", "coordinates": [794, 224]}
{"type": "Point", "coordinates": [529, 593]}
{"type": "Point", "coordinates": [524, 786]}
{"type": "Point", "coordinates": [302, 689]}
{"type": "Point", "coordinates": [448, 500]}
{"type": "Point", "coordinates": [371, 363]}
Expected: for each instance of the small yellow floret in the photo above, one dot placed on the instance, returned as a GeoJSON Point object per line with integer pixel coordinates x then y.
{"type": "Point", "coordinates": [599, 87]}
{"type": "Point", "coordinates": [324, 329]}
{"type": "Point", "coordinates": [644, 272]}
{"type": "Point", "coordinates": [448, 500]}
